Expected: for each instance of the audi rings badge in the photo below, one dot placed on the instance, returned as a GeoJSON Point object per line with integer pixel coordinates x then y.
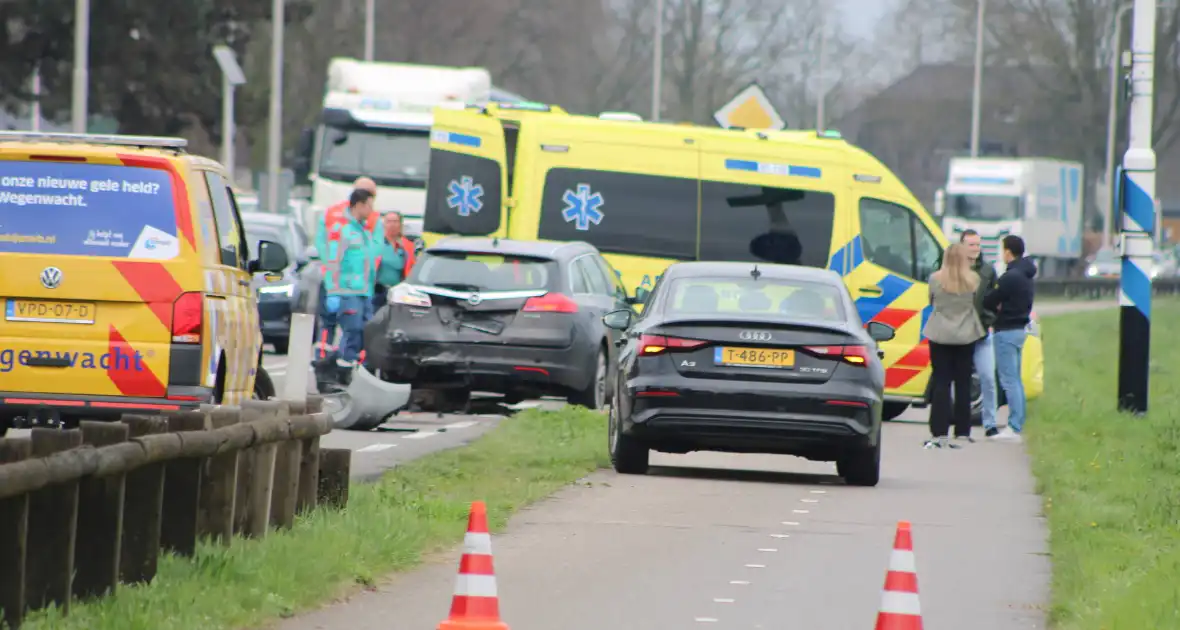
{"type": "Point", "coordinates": [754, 335]}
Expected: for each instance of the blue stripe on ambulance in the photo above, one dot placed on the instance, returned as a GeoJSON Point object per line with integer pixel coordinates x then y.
{"type": "Point", "coordinates": [853, 252]}
{"type": "Point", "coordinates": [892, 287]}
{"type": "Point", "coordinates": [462, 139]}
{"type": "Point", "coordinates": [771, 168]}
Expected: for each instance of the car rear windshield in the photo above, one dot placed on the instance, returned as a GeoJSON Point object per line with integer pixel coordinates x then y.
{"type": "Point", "coordinates": [469, 271]}
{"type": "Point", "coordinates": [786, 299]}
{"type": "Point", "coordinates": [70, 209]}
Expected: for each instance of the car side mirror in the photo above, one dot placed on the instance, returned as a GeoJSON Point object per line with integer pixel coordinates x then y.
{"type": "Point", "coordinates": [641, 295]}
{"type": "Point", "coordinates": [618, 320]}
{"type": "Point", "coordinates": [880, 331]}
{"type": "Point", "coordinates": [272, 257]}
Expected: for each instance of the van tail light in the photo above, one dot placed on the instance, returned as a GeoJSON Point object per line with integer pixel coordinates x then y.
{"type": "Point", "coordinates": [551, 303]}
{"type": "Point", "coordinates": [188, 316]}
{"type": "Point", "coordinates": [659, 344]}
{"type": "Point", "coordinates": [855, 355]}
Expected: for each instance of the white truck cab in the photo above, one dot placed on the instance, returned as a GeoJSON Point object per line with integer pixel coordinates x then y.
{"type": "Point", "coordinates": [376, 122]}
{"type": "Point", "coordinates": [1040, 200]}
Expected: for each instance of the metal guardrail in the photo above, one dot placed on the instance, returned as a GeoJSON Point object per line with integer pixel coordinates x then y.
{"type": "Point", "coordinates": [1097, 288]}
{"type": "Point", "coordinates": [84, 510]}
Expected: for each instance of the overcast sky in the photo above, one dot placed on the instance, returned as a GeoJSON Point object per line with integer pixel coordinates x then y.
{"type": "Point", "coordinates": [862, 14]}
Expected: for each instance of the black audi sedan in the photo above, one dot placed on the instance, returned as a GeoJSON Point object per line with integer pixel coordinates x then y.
{"type": "Point", "coordinates": [517, 318]}
{"type": "Point", "coordinates": [277, 292]}
{"type": "Point", "coordinates": [749, 358]}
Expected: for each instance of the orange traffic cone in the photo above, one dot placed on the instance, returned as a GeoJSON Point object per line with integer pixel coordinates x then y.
{"type": "Point", "coordinates": [899, 598]}
{"type": "Point", "coordinates": [475, 605]}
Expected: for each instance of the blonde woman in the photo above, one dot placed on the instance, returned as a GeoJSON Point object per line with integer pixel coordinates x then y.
{"type": "Point", "coordinates": [953, 329]}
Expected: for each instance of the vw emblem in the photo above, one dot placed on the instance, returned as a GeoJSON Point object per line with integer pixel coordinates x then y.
{"type": "Point", "coordinates": [753, 335]}
{"type": "Point", "coordinates": [51, 277]}
{"type": "Point", "coordinates": [474, 299]}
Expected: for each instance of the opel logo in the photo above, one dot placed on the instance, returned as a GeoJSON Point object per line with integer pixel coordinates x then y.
{"type": "Point", "coordinates": [51, 277]}
{"type": "Point", "coordinates": [753, 335]}
{"type": "Point", "coordinates": [474, 299]}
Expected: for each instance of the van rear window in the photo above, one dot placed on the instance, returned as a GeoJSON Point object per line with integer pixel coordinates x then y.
{"type": "Point", "coordinates": [71, 209]}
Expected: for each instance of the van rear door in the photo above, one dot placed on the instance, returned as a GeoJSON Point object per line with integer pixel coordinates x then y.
{"type": "Point", "coordinates": [468, 185]}
{"type": "Point", "coordinates": [93, 262]}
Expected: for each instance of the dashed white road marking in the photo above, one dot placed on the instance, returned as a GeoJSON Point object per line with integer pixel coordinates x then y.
{"type": "Point", "coordinates": [375, 448]}
{"type": "Point", "coordinates": [755, 566]}
{"type": "Point", "coordinates": [421, 435]}
{"type": "Point", "coordinates": [706, 619]}
{"type": "Point", "coordinates": [802, 511]}
{"type": "Point", "coordinates": [809, 500]}
{"type": "Point", "coordinates": [722, 600]}
{"type": "Point", "coordinates": [819, 492]}
{"type": "Point", "coordinates": [768, 550]}
{"type": "Point", "coordinates": [790, 523]}
{"type": "Point", "coordinates": [739, 582]}
{"type": "Point", "coordinates": [461, 425]}
{"type": "Point", "coordinates": [780, 535]}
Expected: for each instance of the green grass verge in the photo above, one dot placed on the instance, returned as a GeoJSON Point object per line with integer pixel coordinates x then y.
{"type": "Point", "coordinates": [1110, 482]}
{"type": "Point", "coordinates": [418, 508]}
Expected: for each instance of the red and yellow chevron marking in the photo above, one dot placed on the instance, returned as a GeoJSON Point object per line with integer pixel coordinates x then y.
{"type": "Point", "coordinates": [180, 200]}
{"type": "Point", "coordinates": [132, 382]}
{"type": "Point", "coordinates": [154, 284]}
{"type": "Point", "coordinates": [908, 366]}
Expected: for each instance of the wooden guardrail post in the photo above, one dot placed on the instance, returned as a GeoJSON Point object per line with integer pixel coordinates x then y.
{"type": "Point", "coordinates": [262, 478]}
{"type": "Point", "coordinates": [100, 519]}
{"type": "Point", "coordinates": [182, 485]}
{"type": "Point", "coordinates": [309, 463]}
{"type": "Point", "coordinates": [14, 521]}
{"type": "Point", "coordinates": [335, 464]}
{"type": "Point", "coordinates": [288, 454]}
{"type": "Point", "coordinates": [216, 516]}
{"type": "Point", "coordinates": [53, 519]}
{"type": "Point", "coordinates": [143, 504]}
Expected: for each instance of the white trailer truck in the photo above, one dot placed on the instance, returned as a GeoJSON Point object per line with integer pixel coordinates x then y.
{"type": "Point", "coordinates": [376, 122]}
{"type": "Point", "coordinates": [1039, 199]}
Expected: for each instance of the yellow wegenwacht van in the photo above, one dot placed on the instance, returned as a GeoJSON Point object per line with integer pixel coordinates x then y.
{"type": "Point", "coordinates": [125, 280]}
{"type": "Point", "coordinates": [648, 194]}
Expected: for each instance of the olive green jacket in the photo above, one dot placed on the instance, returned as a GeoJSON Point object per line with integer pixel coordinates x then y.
{"type": "Point", "coordinates": [987, 282]}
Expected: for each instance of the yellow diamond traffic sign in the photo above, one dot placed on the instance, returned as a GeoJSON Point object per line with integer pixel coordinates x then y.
{"type": "Point", "coordinates": [750, 109]}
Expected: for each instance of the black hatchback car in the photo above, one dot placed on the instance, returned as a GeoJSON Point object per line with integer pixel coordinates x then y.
{"type": "Point", "coordinates": [518, 318]}
{"type": "Point", "coordinates": [749, 358]}
{"type": "Point", "coordinates": [277, 292]}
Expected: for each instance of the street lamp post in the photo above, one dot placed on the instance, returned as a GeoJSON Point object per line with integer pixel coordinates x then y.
{"type": "Point", "coordinates": [657, 71]}
{"type": "Point", "coordinates": [977, 84]}
{"type": "Point", "coordinates": [81, 65]}
{"type": "Point", "coordinates": [1138, 219]}
{"type": "Point", "coordinates": [231, 77]}
{"type": "Point", "coordinates": [370, 28]}
{"type": "Point", "coordinates": [821, 101]}
{"type": "Point", "coordinates": [1112, 120]}
{"type": "Point", "coordinates": [275, 140]}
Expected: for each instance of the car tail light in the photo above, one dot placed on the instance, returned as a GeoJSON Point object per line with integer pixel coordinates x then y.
{"type": "Point", "coordinates": [551, 303]}
{"type": "Point", "coordinates": [408, 295]}
{"type": "Point", "coordinates": [856, 355]}
{"type": "Point", "coordinates": [188, 315]}
{"type": "Point", "coordinates": [659, 344]}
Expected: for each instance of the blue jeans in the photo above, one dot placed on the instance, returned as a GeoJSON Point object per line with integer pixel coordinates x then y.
{"type": "Point", "coordinates": [985, 367]}
{"type": "Point", "coordinates": [355, 310]}
{"type": "Point", "coordinates": [326, 321]}
{"type": "Point", "coordinates": [1009, 348]}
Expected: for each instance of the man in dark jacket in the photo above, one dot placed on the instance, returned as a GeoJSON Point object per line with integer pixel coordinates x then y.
{"type": "Point", "coordinates": [1012, 300]}
{"type": "Point", "coordinates": [985, 357]}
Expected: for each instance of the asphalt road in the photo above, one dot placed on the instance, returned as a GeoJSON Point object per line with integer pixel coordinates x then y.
{"type": "Point", "coordinates": [731, 541]}
{"type": "Point", "coordinates": [741, 541]}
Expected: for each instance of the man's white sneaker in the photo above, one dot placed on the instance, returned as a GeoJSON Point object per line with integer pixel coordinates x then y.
{"type": "Point", "coordinates": [1008, 435]}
